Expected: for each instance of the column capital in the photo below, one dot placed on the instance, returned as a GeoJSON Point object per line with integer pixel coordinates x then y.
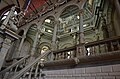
{"type": "Point", "coordinates": [24, 36]}
{"type": "Point", "coordinates": [56, 22]}
{"type": "Point", "coordinates": [81, 11]}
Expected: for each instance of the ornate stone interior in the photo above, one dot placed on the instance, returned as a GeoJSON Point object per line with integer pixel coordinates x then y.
{"type": "Point", "coordinates": [48, 39]}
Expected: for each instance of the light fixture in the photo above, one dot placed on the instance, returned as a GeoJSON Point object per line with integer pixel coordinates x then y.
{"type": "Point", "coordinates": [84, 25]}
{"type": "Point", "coordinates": [78, 17]}
{"type": "Point", "coordinates": [88, 49]}
{"type": "Point", "coordinates": [69, 53]}
{"type": "Point", "coordinates": [3, 17]}
{"type": "Point", "coordinates": [68, 57]}
{"type": "Point", "coordinates": [38, 36]}
{"type": "Point", "coordinates": [6, 13]}
{"type": "Point", "coordinates": [42, 51]}
{"type": "Point", "coordinates": [89, 54]}
{"type": "Point", "coordinates": [27, 73]}
{"type": "Point", "coordinates": [48, 20]}
{"type": "Point", "coordinates": [15, 12]}
{"type": "Point", "coordinates": [49, 31]}
{"type": "Point", "coordinates": [43, 29]}
{"type": "Point", "coordinates": [42, 59]}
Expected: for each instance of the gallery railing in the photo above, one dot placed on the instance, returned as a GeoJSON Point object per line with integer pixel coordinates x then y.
{"type": "Point", "coordinates": [91, 48]}
{"type": "Point", "coordinates": [103, 46]}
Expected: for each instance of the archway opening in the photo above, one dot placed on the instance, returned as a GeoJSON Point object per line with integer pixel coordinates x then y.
{"type": "Point", "coordinates": [69, 19]}
{"type": "Point", "coordinates": [48, 24]}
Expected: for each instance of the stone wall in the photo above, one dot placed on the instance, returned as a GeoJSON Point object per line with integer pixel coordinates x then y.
{"type": "Point", "coordinates": [98, 72]}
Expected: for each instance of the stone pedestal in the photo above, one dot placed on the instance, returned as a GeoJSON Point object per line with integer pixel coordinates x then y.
{"type": "Point", "coordinates": [5, 47]}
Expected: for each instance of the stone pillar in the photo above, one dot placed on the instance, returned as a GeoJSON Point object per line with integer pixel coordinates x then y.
{"type": "Point", "coordinates": [21, 44]}
{"type": "Point", "coordinates": [54, 46]}
{"type": "Point", "coordinates": [81, 30]}
{"type": "Point", "coordinates": [34, 44]}
{"type": "Point", "coordinates": [34, 47]}
{"type": "Point", "coordinates": [81, 49]}
{"type": "Point", "coordinates": [5, 47]}
{"type": "Point", "coordinates": [105, 29]}
{"type": "Point", "coordinates": [117, 6]}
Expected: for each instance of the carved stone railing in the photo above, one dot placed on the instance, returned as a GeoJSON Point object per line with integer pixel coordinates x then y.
{"type": "Point", "coordinates": [103, 46]}
{"type": "Point", "coordinates": [102, 50]}
{"type": "Point", "coordinates": [92, 48]}
{"type": "Point", "coordinates": [65, 53]}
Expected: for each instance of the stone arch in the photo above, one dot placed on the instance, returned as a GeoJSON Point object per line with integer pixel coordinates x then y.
{"type": "Point", "coordinates": [66, 45]}
{"type": "Point", "coordinates": [68, 15]}
{"type": "Point", "coordinates": [29, 40]}
{"type": "Point", "coordinates": [30, 24]}
{"type": "Point", "coordinates": [67, 7]}
{"type": "Point", "coordinates": [45, 44]}
{"type": "Point", "coordinates": [83, 4]}
{"type": "Point", "coordinates": [42, 48]}
{"type": "Point", "coordinates": [33, 24]}
{"type": "Point", "coordinates": [31, 33]}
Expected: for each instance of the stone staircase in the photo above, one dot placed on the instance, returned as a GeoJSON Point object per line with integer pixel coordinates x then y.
{"type": "Point", "coordinates": [21, 70]}
{"type": "Point", "coordinates": [14, 68]}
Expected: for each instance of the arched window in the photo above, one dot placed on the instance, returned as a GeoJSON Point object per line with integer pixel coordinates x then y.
{"type": "Point", "coordinates": [48, 24]}
{"type": "Point", "coordinates": [44, 49]}
{"type": "Point", "coordinates": [32, 31]}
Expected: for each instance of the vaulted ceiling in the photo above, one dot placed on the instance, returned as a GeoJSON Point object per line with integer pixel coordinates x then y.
{"type": "Point", "coordinates": [26, 5]}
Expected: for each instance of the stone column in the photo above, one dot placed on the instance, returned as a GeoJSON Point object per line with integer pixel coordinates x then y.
{"type": "Point", "coordinates": [81, 30]}
{"type": "Point", "coordinates": [81, 49]}
{"type": "Point", "coordinates": [117, 6]}
{"type": "Point", "coordinates": [54, 46]}
{"type": "Point", "coordinates": [21, 44]}
{"type": "Point", "coordinates": [34, 47]}
{"type": "Point", "coordinates": [5, 47]}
